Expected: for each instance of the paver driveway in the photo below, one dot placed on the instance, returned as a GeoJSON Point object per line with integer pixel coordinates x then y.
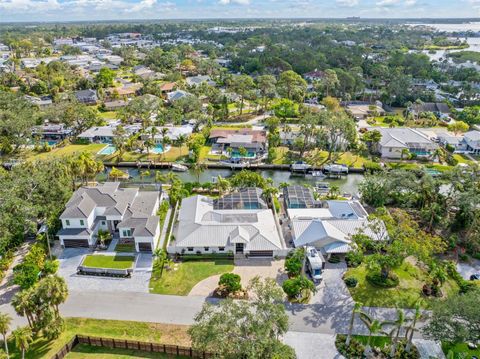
{"type": "Point", "coordinates": [71, 258]}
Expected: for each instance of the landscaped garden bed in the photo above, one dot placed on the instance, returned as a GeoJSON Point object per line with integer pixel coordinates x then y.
{"type": "Point", "coordinates": [108, 262]}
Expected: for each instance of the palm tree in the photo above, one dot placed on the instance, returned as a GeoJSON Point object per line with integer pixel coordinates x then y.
{"type": "Point", "coordinates": [23, 338]}
{"type": "Point", "coordinates": [5, 321]}
{"type": "Point", "coordinates": [356, 309]}
{"type": "Point", "coordinates": [181, 141]}
{"type": "Point", "coordinates": [23, 305]}
{"type": "Point", "coordinates": [103, 236]}
{"type": "Point", "coordinates": [405, 152]}
{"type": "Point", "coordinates": [165, 140]}
{"type": "Point", "coordinates": [223, 185]}
{"type": "Point", "coordinates": [398, 325]}
{"type": "Point", "coordinates": [55, 289]}
{"type": "Point", "coordinates": [374, 327]}
{"type": "Point", "coordinates": [198, 168]}
{"type": "Point", "coordinates": [411, 328]}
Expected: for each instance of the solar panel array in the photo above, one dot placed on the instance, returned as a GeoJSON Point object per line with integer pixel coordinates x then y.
{"type": "Point", "coordinates": [247, 198]}
{"type": "Point", "coordinates": [298, 197]}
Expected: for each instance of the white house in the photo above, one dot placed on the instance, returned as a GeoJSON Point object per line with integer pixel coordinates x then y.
{"type": "Point", "coordinates": [239, 223]}
{"type": "Point", "coordinates": [470, 143]}
{"type": "Point", "coordinates": [128, 213]}
{"type": "Point", "coordinates": [396, 140]}
{"type": "Point", "coordinates": [329, 228]}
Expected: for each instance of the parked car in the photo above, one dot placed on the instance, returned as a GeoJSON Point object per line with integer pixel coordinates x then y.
{"type": "Point", "coordinates": [315, 264]}
{"type": "Point", "coordinates": [475, 276]}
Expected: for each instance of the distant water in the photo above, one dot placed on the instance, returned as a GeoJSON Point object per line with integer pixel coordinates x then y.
{"type": "Point", "coordinates": [471, 26]}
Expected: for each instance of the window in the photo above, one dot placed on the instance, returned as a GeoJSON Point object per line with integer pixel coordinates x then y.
{"type": "Point", "coordinates": [206, 249]}
{"type": "Point", "coordinates": [190, 249]}
{"type": "Point", "coordinates": [67, 222]}
{"type": "Point", "coordinates": [127, 233]}
{"type": "Point", "coordinates": [221, 249]}
{"type": "Point", "coordinates": [82, 222]}
{"type": "Point", "coordinates": [103, 223]}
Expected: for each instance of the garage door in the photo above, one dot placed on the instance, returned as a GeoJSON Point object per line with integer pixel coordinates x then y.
{"type": "Point", "coordinates": [260, 254]}
{"type": "Point", "coordinates": [75, 243]}
{"type": "Point", "coordinates": [144, 247]}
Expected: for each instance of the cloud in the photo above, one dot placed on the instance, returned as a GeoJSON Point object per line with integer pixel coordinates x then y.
{"type": "Point", "coordinates": [239, 2]}
{"type": "Point", "coordinates": [388, 3]}
{"type": "Point", "coordinates": [347, 3]}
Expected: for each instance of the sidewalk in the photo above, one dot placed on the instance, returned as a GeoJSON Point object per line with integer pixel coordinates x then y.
{"type": "Point", "coordinates": [7, 289]}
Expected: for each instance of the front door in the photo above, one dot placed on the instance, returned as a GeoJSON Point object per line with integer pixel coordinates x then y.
{"type": "Point", "coordinates": [239, 248]}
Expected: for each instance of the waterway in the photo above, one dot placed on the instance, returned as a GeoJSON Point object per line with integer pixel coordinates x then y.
{"type": "Point", "coordinates": [347, 184]}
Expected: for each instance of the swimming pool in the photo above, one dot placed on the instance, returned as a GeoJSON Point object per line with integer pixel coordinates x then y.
{"type": "Point", "coordinates": [236, 154]}
{"type": "Point", "coordinates": [158, 149]}
{"type": "Point", "coordinates": [50, 143]}
{"type": "Point", "coordinates": [107, 150]}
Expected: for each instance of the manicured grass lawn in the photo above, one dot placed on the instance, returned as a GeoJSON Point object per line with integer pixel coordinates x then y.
{"type": "Point", "coordinates": [405, 295]}
{"type": "Point", "coordinates": [351, 160]}
{"type": "Point", "coordinates": [128, 248]}
{"type": "Point", "coordinates": [460, 349]}
{"type": "Point", "coordinates": [148, 332]}
{"type": "Point", "coordinates": [69, 150]}
{"type": "Point", "coordinates": [281, 158]}
{"type": "Point", "coordinates": [83, 351]}
{"type": "Point", "coordinates": [183, 279]}
{"type": "Point", "coordinates": [108, 115]}
{"type": "Point", "coordinates": [174, 154]}
{"type": "Point", "coordinates": [462, 159]}
{"type": "Point", "coordinates": [113, 262]}
{"type": "Point", "coordinates": [403, 166]}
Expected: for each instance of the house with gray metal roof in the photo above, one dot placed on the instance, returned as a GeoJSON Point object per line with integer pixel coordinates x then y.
{"type": "Point", "coordinates": [470, 143]}
{"type": "Point", "coordinates": [205, 227]}
{"type": "Point", "coordinates": [127, 213]}
{"type": "Point", "coordinates": [329, 228]}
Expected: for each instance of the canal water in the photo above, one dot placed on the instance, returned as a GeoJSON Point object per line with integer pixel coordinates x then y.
{"type": "Point", "coordinates": [347, 184]}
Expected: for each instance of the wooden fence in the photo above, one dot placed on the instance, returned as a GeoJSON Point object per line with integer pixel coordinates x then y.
{"type": "Point", "coordinates": [129, 344]}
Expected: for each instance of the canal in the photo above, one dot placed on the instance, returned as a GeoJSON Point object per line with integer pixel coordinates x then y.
{"type": "Point", "coordinates": [347, 184]}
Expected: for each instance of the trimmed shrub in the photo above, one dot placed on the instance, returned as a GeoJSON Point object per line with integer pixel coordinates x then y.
{"type": "Point", "coordinates": [351, 282]}
{"type": "Point", "coordinates": [378, 280]}
{"type": "Point", "coordinates": [354, 258]}
{"type": "Point", "coordinates": [231, 282]}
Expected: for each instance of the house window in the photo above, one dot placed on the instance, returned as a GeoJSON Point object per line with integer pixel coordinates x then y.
{"type": "Point", "coordinates": [221, 249]}
{"type": "Point", "coordinates": [67, 222]}
{"type": "Point", "coordinates": [103, 223]}
{"type": "Point", "coordinates": [127, 233]}
{"type": "Point", "coordinates": [82, 222]}
{"type": "Point", "coordinates": [190, 249]}
{"type": "Point", "coordinates": [206, 249]}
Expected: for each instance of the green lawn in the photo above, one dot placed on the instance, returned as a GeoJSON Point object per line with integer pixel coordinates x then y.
{"type": "Point", "coordinates": [148, 332]}
{"type": "Point", "coordinates": [405, 295]}
{"type": "Point", "coordinates": [281, 156]}
{"type": "Point", "coordinates": [83, 351]}
{"type": "Point", "coordinates": [410, 166]}
{"type": "Point", "coordinates": [183, 279]}
{"type": "Point", "coordinates": [460, 349]}
{"type": "Point", "coordinates": [174, 154]}
{"type": "Point", "coordinates": [108, 115]}
{"type": "Point", "coordinates": [113, 262]}
{"type": "Point", "coordinates": [69, 150]}
{"type": "Point", "coordinates": [317, 158]}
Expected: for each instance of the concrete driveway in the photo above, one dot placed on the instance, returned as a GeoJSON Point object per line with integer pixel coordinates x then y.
{"type": "Point", "coordinates": [332, 289]}
{"type": "Point", "coordinates": [71, 258]}
{"type": "Point", "coordinates": [246, 269]}
{"type": "Point", "coordinates": [467, 269]}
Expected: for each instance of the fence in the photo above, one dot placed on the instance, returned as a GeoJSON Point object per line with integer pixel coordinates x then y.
{"type": "Point", "coordinates": [129, 344]}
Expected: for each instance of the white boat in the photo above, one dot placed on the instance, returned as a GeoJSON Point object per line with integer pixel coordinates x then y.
{"type": "Point", "coordinates": [318, 174]}
{"type": "Point", "coordinates": [336, 168]}
{"type": "Point", "coordinates": [322, 187]}
{"type": "Point", "coordinates": [300, 166]}
{"type": "Point", "coordinates": [176, 167]}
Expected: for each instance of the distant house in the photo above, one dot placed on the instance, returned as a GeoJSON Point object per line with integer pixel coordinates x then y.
{"type": "Point", "coordinates": [470, 143]}
{"type": "Point", "coordinates": [173, 133]}
{"type": "Point", "coordinates": [105, 134]}
{"type": "Point", "coordinates": [43, 101]}
{"type": "Point", "coordinates": [239, 223]}
{"type": "Point", "coordinates": [52, 132]}
{"type": "Point", "coordinates": [329, 225]}
{"type": "Point", "coordinates": [168, 87]}
{"type": "Point", "coordinates": [314, 76]}
{"type": "Point", "coordinates": [114, 105]}
{"type": "Point", "coordinates": [361, 110]}
{"type": "Point", "coordinates": [88, 97]}
{"type": "Point", "coordinates": [197, 80]}
{"type": "Point", "coordinates": [440, 109]}
{"type": "Point", "coordinates": [395, 141]}
{"type": "Point", "coordinates": [254, 141]}
{"type": "Point", "coordinates": [127, 213]}
{"type": "Point", "coordinates": [177, 95]}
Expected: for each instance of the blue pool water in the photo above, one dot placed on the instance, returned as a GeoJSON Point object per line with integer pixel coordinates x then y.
{"type": "Point", "coordinates": [107, 150]}
{"type": "Point", "coordinates": [158, 149]}
{"type": "Point", "coordinates": [236, 154]}
{"type": "Point", "coordinates": [51, 143]}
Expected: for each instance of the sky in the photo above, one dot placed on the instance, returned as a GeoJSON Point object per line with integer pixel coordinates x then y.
{"type": "Point", "coordinates": [71, 10]}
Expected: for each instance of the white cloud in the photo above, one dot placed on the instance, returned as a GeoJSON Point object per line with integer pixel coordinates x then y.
{"type": "Point", "coordinates": [387, 3]}
{"type": "Point", "coordinates": [239, 2]}
{"type": "Point", "coordinates": [347, 3]}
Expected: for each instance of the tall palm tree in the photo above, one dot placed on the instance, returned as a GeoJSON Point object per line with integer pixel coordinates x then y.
{"type": "Point", "coordinates": [181, 141]}
{"type": "Point", "coordinates": [165, 140]}
{"type": "Point", "coordinates": [54, 288]}
{"type": "Point", "coordinates": [5, 321]}
{"type": "Point", "coordinates": [198, 168]}
{"type": "Point", "coordinates": [23, 338]}
{"type": "Point", "coordinates": [356, 309]}
{"type": "Point", "coordinates": [398, 325]}
{"type": "Point", "coordinates": [412, 327]}
{"type": "Point", "coordinates": [374, 327]}
{"type": "Point", "coordinates": [23, 306]}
